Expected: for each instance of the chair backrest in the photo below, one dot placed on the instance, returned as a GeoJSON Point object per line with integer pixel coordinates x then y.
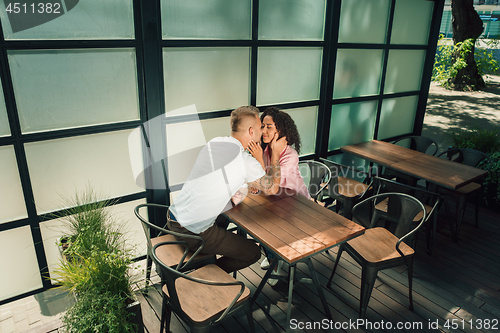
{"type": "Point", "coordinates": [316, 176]}
{"type": "Point", "coordinates": [470, 157]}
{"type": "Point", "coordinates": [405, 208]}
{"type": "Point", "coordinates": [148, 227]}
{"type": "Point", "coordinates": [339, 170]}
{"type": "Point", "coordinates": [383, 185]}
{"type": "Point", "coordinates": [420, 143]}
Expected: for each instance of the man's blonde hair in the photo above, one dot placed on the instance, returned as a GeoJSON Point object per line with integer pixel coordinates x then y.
{"type": "Point", "coordinates": [240, 114]}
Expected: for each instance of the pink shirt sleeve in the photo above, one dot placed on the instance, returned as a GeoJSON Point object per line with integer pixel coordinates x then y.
{"type": "Point", "coordinates": [290, 175]}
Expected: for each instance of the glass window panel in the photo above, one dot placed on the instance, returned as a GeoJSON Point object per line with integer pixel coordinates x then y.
{"type": "Point", "coordinates": [292, 19]}
{"type": "Point", "coordinates": [58, 89]}
{"type": "Point", "coordinates": [211, 78]}
{"type": "Point", "coordinates": [352, 123]}
{"type": "Point", "coordinates": [11, 192]}
{"type": "Point", "coordinates": [364, 21]}
{"type": "Point", "coordinates": [183, 153]}
{"type": "Point", "coordinates": [288, 74]}
{"type": "Point", "coordinates": [306, 120]}
{"type": "Point", "coordinates": [357, 73]}
{"type": "Point", "coordinates": [20, 272]}
{"type": "Point", "coordinates": [207, 19]}
{"type": "Point", "coordinates": [4, 120]}
{"type": "Point", "coordinates": [59, 167]}
{"type": "Point", "coordinates": [89, 19]}
{"type": "Point", "coordinates": [397, 116]}
{"type": "Point", "coordinates": [404, 70]}
{"type": "Point", "coordinates": [53, 230]}
{"type": "Point", "coordinates": [412, 22]}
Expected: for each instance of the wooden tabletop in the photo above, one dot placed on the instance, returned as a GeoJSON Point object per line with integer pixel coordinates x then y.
{"type": "Point", "coordinates": [292, 226]}
{"type": "Point", "coordinates": [431, 168]}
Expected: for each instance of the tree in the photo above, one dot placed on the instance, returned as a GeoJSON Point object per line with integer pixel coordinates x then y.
{"type": "Point", "coordinates": [467, 25]}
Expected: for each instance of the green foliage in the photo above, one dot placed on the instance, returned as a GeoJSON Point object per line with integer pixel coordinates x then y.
{"type": "Point", "coordinates": [488, 142]}
{"type": "Point", "coordinates": [96, 312]}
{"type": "Point", "coordinates": [98, 271]}
{"type": "Point", "coordinates": [444, 70]}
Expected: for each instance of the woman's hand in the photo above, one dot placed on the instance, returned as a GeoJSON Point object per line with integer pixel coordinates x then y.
{"type": "Point", "coordinates": [256, 150]}
{"type": "Point", "coordinates": [253, 190]}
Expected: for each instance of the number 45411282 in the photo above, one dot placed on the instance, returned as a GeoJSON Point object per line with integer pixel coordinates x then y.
{"type": "Point", "coordinates": [39, 8]}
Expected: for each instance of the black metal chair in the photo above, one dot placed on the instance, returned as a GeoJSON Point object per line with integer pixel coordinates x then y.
{"type": "Point", "coordinates": [461, 195]}
{"type": "Point", "coordinates": [378, 248]}
{"type": "Point", "coordinates": [203, 297]}
{"type": "Point", "coordinates": [316, 177]}
{"type": "Point", "coordinates": [419, 143]}
{"type": "Point", "coordinates": [430, 200]}
{"type": "Point", "coordinates": [343, 188]}
{"type": "Point", "coordinates": [177, 252]}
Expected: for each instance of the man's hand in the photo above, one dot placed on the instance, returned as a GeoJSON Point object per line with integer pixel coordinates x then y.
{"type": "Point", "coordinates": [277, 146]}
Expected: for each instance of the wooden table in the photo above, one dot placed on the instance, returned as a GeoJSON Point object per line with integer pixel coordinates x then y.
{"type": "Point", "coordinates": [436, 170]}
{"type": "Point", "coordinates": [294, 229]}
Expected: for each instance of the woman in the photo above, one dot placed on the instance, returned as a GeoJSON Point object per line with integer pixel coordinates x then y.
{"type": "Point", "coordinates": [276, 121]}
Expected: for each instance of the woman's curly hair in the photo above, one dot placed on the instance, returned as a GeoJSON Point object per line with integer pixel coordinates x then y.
{"type": "Point", "coordinates": [284, 125]}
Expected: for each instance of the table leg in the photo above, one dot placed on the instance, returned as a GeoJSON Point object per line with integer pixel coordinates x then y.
{"type": "Point", "coordinates": [272, 265]}
{"type": "Point", "coordinates": [291, 279]}
{"type": "Point", "coordinates": [319, 288]}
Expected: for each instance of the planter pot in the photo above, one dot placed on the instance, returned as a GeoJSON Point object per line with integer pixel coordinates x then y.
{"type": "Point", "coordinates": [136, 318]}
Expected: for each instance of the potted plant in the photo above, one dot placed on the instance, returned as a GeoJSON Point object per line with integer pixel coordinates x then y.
{"type": "Point", "coordinates": [96, 267]}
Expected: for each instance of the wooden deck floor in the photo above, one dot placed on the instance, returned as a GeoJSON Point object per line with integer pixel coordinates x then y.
{"type": "Point", "coordinates": [459, 284]}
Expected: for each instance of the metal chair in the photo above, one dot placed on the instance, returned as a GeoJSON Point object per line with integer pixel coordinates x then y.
{"type": "Point", "coordinates": [316, 177]}
{"type": "Point", "coordinates": [414, 142]}
{"type": "Point", "coordinates": [461, 195]}
{"type": "Point", "coordinates": [420, 143]}
{"type": "Point", "coordinates": [430, 200]}
{"type": "Point", "coordinates": [203, 297]}
{"type": "Point", "coordinates": [378, 248]}
{"type": "Point", "coordinates": [177, 252]}
{"type": "Point", "coordinates": [344, 189]}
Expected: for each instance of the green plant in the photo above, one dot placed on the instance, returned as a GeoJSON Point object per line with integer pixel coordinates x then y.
{"type": "Point", "coordinates": [486, 141]}
{"type": "Point", "coordinates": [98, 312]}
{"type": "Point", "coordinates": [492, 182]}
{"type": "Point", "coordinates": [98, 272]}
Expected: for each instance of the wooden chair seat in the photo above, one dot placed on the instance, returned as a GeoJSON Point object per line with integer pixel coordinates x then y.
{"type": "Point", "coordinates": [171, 255]}
{"type": "Point", "coordinates": [385, 249]}
{"type": "Point", "coordinates": [350, 188]}
{"type": "Point", "coordinates": [203, 303]}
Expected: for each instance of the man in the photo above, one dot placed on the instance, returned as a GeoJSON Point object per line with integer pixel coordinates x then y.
{"type": "Point", "coordinates": [221, 169]}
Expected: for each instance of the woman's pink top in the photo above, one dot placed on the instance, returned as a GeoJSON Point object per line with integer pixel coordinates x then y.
{"type": "Point", "coordinates": [289, 165]}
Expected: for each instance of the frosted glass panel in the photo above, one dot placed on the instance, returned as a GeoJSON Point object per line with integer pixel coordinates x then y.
{"type": "Point", "coordinates": [207, 19]}
{"type": "Point", "coordinates": [404, 70]}
{"type": "Point", "coordinates": [11, 192]}
{"type": "Point", "coordinates": [4, 121]}
{"type": "Point", "coordinates": [62, 166]}
{"type": "Point", "coordinates": [397, 116]}
{"type": "Point", "coordinates": [292, 19]}
{"type": "Point", "coordinates": [306, 120]}
{"type": "Point", "coordinates": [89, 19]}
{"type": "Point", "coordinates": [364, 21]}
{"type": "Point", "coordinates": [53, 230]}
{"type": "Point", "coordinates": [357, 73]}
{"type": "Point", "coordinates": [352, 123]}
{"type": "Point", "coordinates": [58, 89]}
{"type": "Point", "coordinates": [288, 74]}
{"type": "Point", "coordinates": [211, 78]}
{"type": "Point", "coordinates": [20, 272]}
{"type": "Point", "coordinates": [183, 153]}
{"type": "Point", "coordinates": [412, 21]}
